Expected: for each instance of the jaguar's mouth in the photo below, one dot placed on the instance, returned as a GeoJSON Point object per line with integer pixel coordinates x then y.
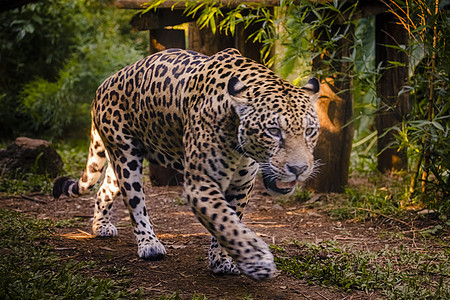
{"type": "Point", "coordinates": [275, 186]}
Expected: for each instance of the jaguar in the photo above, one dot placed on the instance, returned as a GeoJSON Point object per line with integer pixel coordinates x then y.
{"type": "Point", "coordinates": [216, 119]}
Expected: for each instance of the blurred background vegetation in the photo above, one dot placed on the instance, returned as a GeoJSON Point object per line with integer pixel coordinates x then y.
{"type": "Point", "coordinates": [53, 56]}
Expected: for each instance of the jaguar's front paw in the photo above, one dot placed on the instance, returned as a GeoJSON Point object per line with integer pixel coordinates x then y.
{"type": "Point", "coordinates": [104, 230]}
{"type": "Point", "coordinates": [221, 263]}
{"type": "Point", "coordinates": [257, 263]}
{"type": "Point", "coordinates": [260, 270]}
{"type": "Point", "coordinates": [152, 250]}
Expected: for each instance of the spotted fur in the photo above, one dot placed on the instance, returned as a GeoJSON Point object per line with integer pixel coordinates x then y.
{"type": "Point", "coordinates": [217, 119]}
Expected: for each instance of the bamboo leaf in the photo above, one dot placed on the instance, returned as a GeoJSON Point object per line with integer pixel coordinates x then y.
{"type": "Point", "coordinates": [437, 125]}
{"type": "Point", "coordinates": [364, 140]}
{"type": "Point", "coordinates": [212, 24]}
{"type": "Point", "coordinates": [154, 4]}
{"type": "Point", "coordinates": [396, 63]}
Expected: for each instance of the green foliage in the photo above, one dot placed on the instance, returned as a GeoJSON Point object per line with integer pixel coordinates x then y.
{"type": "Point", "coordinates": [24, 183]}
{"type": "Point", "coordinates": [315, 33]}
{"type": "Point", "coordinates": [32, 43]}
{"type": "Point", "coordinates": [210, 13]}
{"type": "Point", "coordinates": [300, 195]}
{"type": "Point", "coordinates": [35, 40]}
{"type": "Point", "coordinates": [79, 44]}
{"type": "Point", "coordinates": [398, 273]}
{"type": "Point", "coordinates": [74, 154]}
{"type": "Point", "coordinates": [29, 269]}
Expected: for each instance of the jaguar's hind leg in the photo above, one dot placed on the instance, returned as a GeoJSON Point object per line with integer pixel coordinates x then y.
{"type": "Point", "coordinates": [127, 165]}
{"type": "Point", "coordinates": [106, 195]}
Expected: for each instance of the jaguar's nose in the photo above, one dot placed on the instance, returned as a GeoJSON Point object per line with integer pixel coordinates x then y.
{"type": "Point", "coordinates": [297, 170]}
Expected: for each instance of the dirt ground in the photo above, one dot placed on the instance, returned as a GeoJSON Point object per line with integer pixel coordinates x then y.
{"type": "Point", "coordinates": [184, 269]}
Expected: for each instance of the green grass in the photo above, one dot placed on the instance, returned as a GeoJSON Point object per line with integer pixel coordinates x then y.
{"type": "Point", "coordinates": [29, 269]}
{"type": "Point", "coordinates": [300, 195]}
{"type": "Point", "coordinates": [397, 273]}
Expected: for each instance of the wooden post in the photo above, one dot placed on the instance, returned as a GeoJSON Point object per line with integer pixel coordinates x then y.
{"type": "Point", "coordinates": [334, 108]}
{"type": "Point", "coordinates": [245, 45]}
{"type": "Point", "coordinates": [161, 39]}
{"type": "Point", "coordinates": [206, 42]}
{"type": "Point", "coordinates": [393, 107]}
{"type": "Point", "coordinates": [202, 41]}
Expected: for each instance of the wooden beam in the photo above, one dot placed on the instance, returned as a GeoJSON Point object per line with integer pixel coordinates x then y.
{"type": "Point", "coordinates": [140, 4]}
{"type": "Point", "coordinates": [159, 19]}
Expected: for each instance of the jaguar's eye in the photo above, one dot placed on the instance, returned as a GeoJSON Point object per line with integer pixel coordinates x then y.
{"type": "Point", "coordinates": [274, 132]}
{"type": "Point", "coordinates": [310, 131]}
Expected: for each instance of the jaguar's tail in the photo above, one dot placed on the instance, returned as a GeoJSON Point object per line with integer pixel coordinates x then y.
{"type": "Point", "coordinates": [94, 167]}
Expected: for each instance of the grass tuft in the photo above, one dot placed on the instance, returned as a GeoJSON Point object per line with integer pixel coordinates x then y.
{"type": "Point", "coordinates": [361, 204]}
{"type": "Point", "coordinates": [24, 183]}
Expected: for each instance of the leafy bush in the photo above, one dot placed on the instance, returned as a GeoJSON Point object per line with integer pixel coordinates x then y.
{"type": "Point", "coordinates": [31, 44]}
{"type": "Point", "coordinates": [60, 52]}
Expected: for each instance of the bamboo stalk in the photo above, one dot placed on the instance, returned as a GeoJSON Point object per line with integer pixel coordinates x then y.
{"type": "Point", "coordinates": [412, 186]}
{"type": "Point", "coordinates": [427, 142]}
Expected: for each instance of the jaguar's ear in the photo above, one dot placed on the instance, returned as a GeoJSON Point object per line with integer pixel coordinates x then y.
{"type": "Point", "coordinates": [313, 89]}
{"type": "Point", "coordinates": [236, 90]}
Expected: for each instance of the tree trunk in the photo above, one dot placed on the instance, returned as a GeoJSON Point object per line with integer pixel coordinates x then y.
{"type": "Point", "coordinates": [334, 108]}
{"type": "Point", "coordinates": [393, 107]}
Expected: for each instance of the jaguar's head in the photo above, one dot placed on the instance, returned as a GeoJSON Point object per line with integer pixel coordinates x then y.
{"type": "Point", "coordinates": [278, 127]}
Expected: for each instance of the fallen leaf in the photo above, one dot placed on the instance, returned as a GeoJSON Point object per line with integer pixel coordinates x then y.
{"type": "Point", "coordinates": [176, 246]}
{"type": "Point", "coordinates": [78, 236]}
{"type": "Point", "coordinates": [107, 249]}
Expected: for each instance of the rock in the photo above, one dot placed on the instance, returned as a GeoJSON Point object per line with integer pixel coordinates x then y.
{"type": "Point", "coordinates": [426, 212]}
{"type": "Point", "coordinates": [30, 155]}
{"type": "Point", "coordinates": [277, 207]}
